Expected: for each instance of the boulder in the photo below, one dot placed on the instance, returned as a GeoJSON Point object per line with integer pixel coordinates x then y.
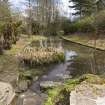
{"type": "Point", "coordinates": [7, 93]}
{"type": "Point", "coordinates": [88, 94]}
{"type": "Point", "coordinates": [64, 76]}
{"type": "Point", "coordinates": [49, 84]}
{"type": "Point", "coordinates": [22, 86]}
{"type": "Point", "coordinates": [29, 98]}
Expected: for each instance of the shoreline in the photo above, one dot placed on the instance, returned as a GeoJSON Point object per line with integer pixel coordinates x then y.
{"type": "Point", "coordinates": [82, 44]}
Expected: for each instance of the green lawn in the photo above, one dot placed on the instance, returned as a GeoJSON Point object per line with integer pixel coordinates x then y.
{"type": "Point", "coordinates": [86, 40]}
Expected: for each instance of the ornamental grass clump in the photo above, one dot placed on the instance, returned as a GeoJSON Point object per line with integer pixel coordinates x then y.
{"type": "Point", "coordinates": [34, 56]}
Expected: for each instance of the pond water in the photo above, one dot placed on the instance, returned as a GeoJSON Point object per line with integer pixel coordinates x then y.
{"type": "Point", "coordinates": [79, 60]}
{"type": "Point", "coordinates": [86, 60]}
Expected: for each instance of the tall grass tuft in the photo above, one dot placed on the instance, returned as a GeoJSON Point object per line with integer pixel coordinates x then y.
{"type": "Point", "coordinates": [34, 56]}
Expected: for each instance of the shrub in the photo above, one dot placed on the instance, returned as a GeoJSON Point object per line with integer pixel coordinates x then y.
{"type": "Point", "coordinates": [36, 27]}
{"type": "Point", "coordinates": [8, 34]}
{"type": "Point", "coordinates": [73, 27]}
{"type": "Point", "coordinates": [86, 24]}
{"type": "Point", "coordinates": [52, 28]}
{"type": "Point", "coordinates": [83, 25]}
{"type": "Point", "coordinates": [100, 22]}
{"type": "Point", "coordinates": [65, 26]}
{"type": "Point", "coordinates": [16, 30]}
{"type": "Point", "coordinates": [60, 33]}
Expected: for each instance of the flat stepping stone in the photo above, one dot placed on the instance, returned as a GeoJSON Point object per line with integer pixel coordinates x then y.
{"type": "Point", "coordinates": [7, 93]}
{"type": "Point", "coordinates": [30, 98]}
{"type": "Point", "coordinates": [49, 84]}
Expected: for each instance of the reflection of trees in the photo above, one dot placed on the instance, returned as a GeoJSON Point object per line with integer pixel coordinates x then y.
{"type": "Point", "coordinates": [99, 58]}
{"type": "Point", "coordinates": [50, 42]}
{"type": "Point", "coordinates": [94, 64]}
{"type": "Point", "coordinates": [79, 67]}
{"type": "Point", "coordinates": [88, 60]}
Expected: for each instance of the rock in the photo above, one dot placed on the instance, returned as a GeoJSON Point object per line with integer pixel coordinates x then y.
{"type": "Point", "coordinates": [88, 94]}
{"type": "Point", "coordinates": [64, 76]}
{"type": "Point", "coordinates": [45, 76]}
{"type": "Point", "coordinates": [35, 78]}
{"type": "Point", "coordinates": [22, 86]}
{"type": "Point", "coordinates": [7, 93]}
{"type": "Point", "coordinates": [49, 84]}
{"type": "Point", "coordinates": [29, 98]}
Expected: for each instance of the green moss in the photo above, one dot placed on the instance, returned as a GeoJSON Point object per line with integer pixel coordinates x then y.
{"type": "Point", "coordinates": [94, 79]}
{"type": "Point", "coordinates": [72, 81]}
{"type": "Point", "coordinates": [61, 93]}
{"type": "Point", "coordinates": [52, 94]}
{"type": "Point", "coordinates": [56, 94]}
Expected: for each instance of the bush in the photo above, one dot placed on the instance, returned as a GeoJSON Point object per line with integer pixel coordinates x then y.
{"type": "Point", "coordinates": [73, 27]}
{"type": "Point", "coordinates": [36, 27]}
{"type": "Point", "coordinates": [83, 25]}
{"type": "Point", "coordinates": [8, 34]}
{"type": "Point", "coordinates": [66, 25]}
{"type": "Point", "coordinates": [100, 22]}
{"type": "Point", "coordinates": [86, 25]}
{"type": "Point", "coordinates": [60, 33]}
{"type": "Point", "coordinates": [52, 28]}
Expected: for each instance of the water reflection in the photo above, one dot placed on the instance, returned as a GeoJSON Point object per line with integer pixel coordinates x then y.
{"type": "Point", "coordinates": [81, 59]}
{"type": "Point", "coordinates": [69, 55]}
{"type": "Point", "coordinates": [50, 42]}
{"type": "Point", "coordinates": [86, 61]}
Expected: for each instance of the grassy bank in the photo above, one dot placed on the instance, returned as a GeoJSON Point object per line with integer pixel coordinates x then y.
{"type": "Point", "coordinates": [86, 41]}
{"type": "Point", "coordinates": [24, 41]}
{"type": "Point", "coordinates": [9, 65]}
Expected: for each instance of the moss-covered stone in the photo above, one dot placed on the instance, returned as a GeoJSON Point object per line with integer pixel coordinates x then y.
{"type": "Point", "coordinates": [60, 94]}
{"type": "Point", "coordinates": [57, 95]}
{"type": "Point", "coordinates": [94, 79]}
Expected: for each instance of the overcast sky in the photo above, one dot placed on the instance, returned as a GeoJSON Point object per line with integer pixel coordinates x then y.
{"type": "Point", "coordinates": [18, 4]}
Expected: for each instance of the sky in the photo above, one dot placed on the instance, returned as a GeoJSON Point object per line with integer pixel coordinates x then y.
{"type": "Point", "coordinates": [18, 4]}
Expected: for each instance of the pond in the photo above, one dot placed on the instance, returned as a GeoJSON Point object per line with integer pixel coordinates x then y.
{"type": "Point", "coordinates": [79, 60]}
{"type": "Point", "coordinates": [86, 60]}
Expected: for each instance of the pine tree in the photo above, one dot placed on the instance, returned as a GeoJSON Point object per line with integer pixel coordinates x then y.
{"type": "Point", "coordinates": [100, 5]}
{"type": "Point", "coordinates": [83, 7]}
